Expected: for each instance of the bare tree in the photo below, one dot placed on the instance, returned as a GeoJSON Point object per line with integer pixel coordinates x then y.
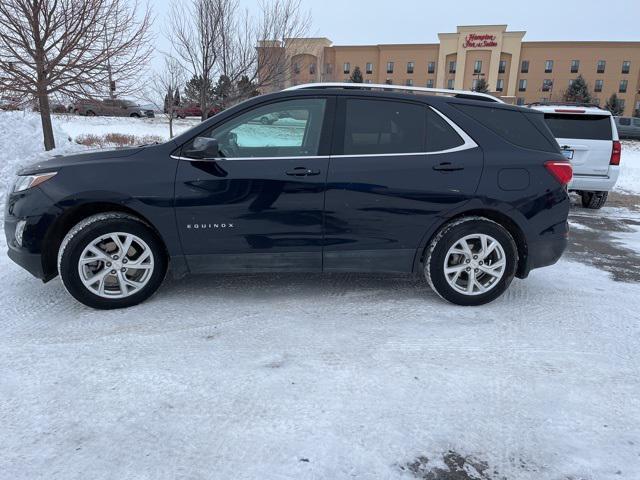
{"type": "Point", "coordinates": [193, 29]}
{"type": "Point", "coordinates": [166, 87]}
{"type": "Point", "coordinates": [215, 39]}
{"type": "Point", "coordinates": [72, 48]}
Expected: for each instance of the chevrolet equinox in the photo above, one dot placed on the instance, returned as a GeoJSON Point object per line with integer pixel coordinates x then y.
{"type": "Point", "coordinates": [455, 185]}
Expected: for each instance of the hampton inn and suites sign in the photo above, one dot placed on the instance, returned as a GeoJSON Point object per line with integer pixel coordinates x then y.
{"type": "Point", "coordinates": [484, 40]}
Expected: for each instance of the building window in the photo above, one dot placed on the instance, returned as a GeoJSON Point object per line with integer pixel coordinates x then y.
{"type": "Point", "coordinates": [346, 68]}
{"type": "Point", "coordinates": [430, 83]}
{"type": "Point", "coordinates": [369, 68]}
{"type": "Point", "coordinates": [296, 68]}
{"type": "Point", "coordinates": [601, 66]}
{"type": "Point", "coordinates": [571, 82]}
{"type": "Point", "coordinates": [500, 85]}
{"type": "Point", "coordinates": [598, 86]}
{"type": "Point", "coordinates": [410, 67]}
{"type": "Point", "coordinates": [477, 67]}
{"type": "Point", "coordinates": [368, 80]}
{"type": "Point", "coordinates": [431, 67]}
{"type": "Point", "coordinates": [626, 66]}
{"type": "Point", "coordinates": [389, 67]}
{"type": "Point", "coordinates": [520, 101]}
{"type": "Point", "coordinates": [548, 66]}
{"type": "Point", "coordinates": [450, 84]}
{"type": "Point", "coordinates": [312, 69]}
{"type": "Point", "coordinates": [547, 85]}
{"type": "Point", "coordinates": [524, 68]}
{"type": "Point", "coordinates": [623, 86]}
{"type": "Point", "coordinates": [409, 82]}
{"type": "Point", "coordinates": [622, 103]}
{"type": "Point", "coordinates": [522, 86]}
{"type": "Point", "coordinates": [575, 66]}
{"type": "Point", "coordinates": [328, 68]}
{"type": "Point", "coordinates": [502, 66]}
{"type": "Point", "coordinates": [474, 84]}
{"type": "Point", "coordinates": [452, 66]}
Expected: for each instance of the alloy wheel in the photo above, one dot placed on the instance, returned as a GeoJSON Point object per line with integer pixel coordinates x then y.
{"type": "Point", "coordinates": [116, 265]}
{"type": "Point", "coordinates": [475, 264]}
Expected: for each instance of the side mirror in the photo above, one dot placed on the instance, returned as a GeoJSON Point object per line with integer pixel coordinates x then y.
{"type": "Point", "coordinates": [204, 148]}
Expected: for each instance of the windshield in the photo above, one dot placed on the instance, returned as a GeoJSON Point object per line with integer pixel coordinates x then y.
{"type": "Point", "coordinates": [584, 127]}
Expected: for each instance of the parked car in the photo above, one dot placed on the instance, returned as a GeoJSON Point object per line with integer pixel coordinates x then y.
{"type": "Point", "coordinates": [462, 188]}
{"type": "Point", "coordinates": [628, 127]}
{"type": "Point", "coordinates": [589, 139]}
{"type": "Point", "coordinates": [195, 111]}
{"type": "Point", "coordinates": [112, 108]}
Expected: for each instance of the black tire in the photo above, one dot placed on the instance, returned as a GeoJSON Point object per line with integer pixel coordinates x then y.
{"type": "Point", "coordinates": [447, 237]}
{"type": "Point", "coordinates": [264, 121]}
{"type": "Point", "coordinates": [594, 200]}
{"type": "Point", "coordinates": [134, 115]}
{"type": "Point", "coordinates": [90, 113]}
{"type": "Point", "coordinates": [88, 230]}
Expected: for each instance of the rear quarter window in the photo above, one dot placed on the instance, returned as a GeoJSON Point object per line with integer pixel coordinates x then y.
{"type": "Point", "coordinates": [581, 126]}
{"type": "Point", "coordinates": [512, 125]}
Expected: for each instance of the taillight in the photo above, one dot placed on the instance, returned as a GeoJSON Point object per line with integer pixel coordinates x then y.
{"type": "Point", "coordinates": [616, 153]}
{"type": "Point", "coordinates": [562, 171]}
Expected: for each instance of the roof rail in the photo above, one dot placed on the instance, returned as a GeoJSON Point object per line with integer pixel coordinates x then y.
{"type": "Point", "coordinates": [565, 104]}
{"type": "Point", "coordinates": [385, 86]}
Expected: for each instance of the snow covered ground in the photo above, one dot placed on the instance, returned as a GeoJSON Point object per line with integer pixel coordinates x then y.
{"type": "Point", "coordinates": [629, 180]}
{"type": "Point", "coordinates": [336, 376]}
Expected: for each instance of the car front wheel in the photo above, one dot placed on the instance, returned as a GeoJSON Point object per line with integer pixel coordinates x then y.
{"type": "Point", "coordinates": [111, 260]}
{"type": "Point", "coordinates": [471, 261]}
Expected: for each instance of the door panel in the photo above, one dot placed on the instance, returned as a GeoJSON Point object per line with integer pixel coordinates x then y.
{"type": "Point", "coordinates": [378, 206]}
{"type": "Point", "coordinates": [259, 206]}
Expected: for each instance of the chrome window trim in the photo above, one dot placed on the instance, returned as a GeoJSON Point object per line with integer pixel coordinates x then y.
{"type": "Point", "coordinates": [468, 144]}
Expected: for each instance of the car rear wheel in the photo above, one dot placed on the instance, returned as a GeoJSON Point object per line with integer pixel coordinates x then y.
{"type": "Point", "coordinates": [134, 115]}
{"type": "Point", "coordinates": [111, 260]}
{"type": "Point", "coordinates": [90, 113]}
{"type": "Point", "coordinates": [471, 261]}
{"type": "Point", "coordinates": [594, 200]}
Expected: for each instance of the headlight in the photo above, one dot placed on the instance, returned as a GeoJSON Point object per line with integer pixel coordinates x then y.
{"type": "Point", "coordinates": [29, 181]}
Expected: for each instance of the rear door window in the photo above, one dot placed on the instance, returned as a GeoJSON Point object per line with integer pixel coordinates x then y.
{"type": "Point", "coordinates": [440, 135]}
{"type": "Point", "coordinates": [624, 121]}
{"type": "Point", "coordinates": [383, 127]}
{"type": "Point", "coordinates": [580, 126]}
{"type": "Point", "coordinates": [512, 125]}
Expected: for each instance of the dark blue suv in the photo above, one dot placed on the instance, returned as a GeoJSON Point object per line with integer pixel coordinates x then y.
{"type": "Point", "coordinates": [459, 187]}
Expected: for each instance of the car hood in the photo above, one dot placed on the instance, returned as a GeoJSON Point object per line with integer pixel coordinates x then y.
{"type": "Point", "coordinates": [62, 161]}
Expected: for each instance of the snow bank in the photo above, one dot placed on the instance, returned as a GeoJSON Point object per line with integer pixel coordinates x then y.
{"type": "Point", "coordinates": [629, 180]}
{"type": "Point", "coordinates": [21, 144]}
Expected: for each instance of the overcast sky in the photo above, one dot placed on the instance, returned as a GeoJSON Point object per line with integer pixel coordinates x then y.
{"type": "Point", "coordinates": [352, 22]}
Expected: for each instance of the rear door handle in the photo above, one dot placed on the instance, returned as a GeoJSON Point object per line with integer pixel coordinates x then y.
{"type": "Point", "coordinates": [448, 167]}
{"type": "Point", "coordinates": [302, 172]}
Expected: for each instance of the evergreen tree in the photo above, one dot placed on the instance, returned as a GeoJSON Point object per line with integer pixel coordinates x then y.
{"type": "Point", "coordinates": [167, 101]}
{"type": "Point", "coordinates": [222, 90]}
{"type": "Point", "coordinates": [578, 91]}
{"type": "Point", "coordinates": [356, 76]}
{"type": "Point", "coordinates": [246, 88]}
{"type": "Point", "coordinates": [481, 86]}
{"type": "Point", "coordinates": [614, 105]}
{"type": "Point", "coordinates": [176, 97]}
{"type": "Point", "coordinates": [192, 90]}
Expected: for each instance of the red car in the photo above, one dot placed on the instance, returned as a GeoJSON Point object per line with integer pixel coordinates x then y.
{"type": "Point", "coordinates": [195, 111]}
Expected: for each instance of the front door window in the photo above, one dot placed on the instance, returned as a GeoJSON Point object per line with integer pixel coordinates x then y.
{"type": "Point", "coordinates": [290, 128]}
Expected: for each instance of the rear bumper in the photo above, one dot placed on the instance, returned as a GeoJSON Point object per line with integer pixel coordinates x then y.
{"type": "Point", "coordinates": [596, 183]}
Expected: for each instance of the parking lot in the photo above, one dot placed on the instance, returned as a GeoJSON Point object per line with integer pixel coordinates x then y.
{"type": "Point", "coordinates": [333, 376]}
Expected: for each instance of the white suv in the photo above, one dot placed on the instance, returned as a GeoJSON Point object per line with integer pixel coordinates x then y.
{"type": "Point", "coordinates": [588, 137]}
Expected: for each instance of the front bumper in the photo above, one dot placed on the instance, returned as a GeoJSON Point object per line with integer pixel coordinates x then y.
{"type": "Point", "coordinates": [33, 208]}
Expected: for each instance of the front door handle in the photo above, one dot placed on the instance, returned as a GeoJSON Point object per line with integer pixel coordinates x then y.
{"type": "Point", "coordinates": [448, 167]}
{"type": "Point", "coordinates": [302, 172]}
